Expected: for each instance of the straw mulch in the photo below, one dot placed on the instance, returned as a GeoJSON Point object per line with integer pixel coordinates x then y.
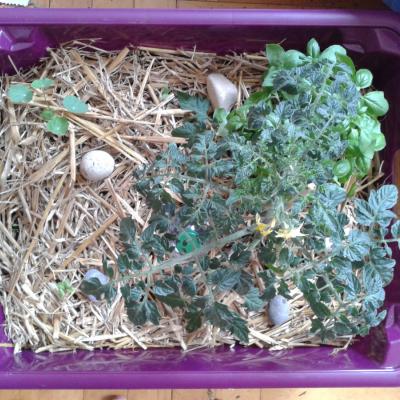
{"type": "Point", "coordinates": [54, 225]}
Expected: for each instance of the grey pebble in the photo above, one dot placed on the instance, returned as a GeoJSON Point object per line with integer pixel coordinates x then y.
{"type": "Point", "coordinates": [95, 273]}
{"type": "Point", "coordinates": [278, 310]}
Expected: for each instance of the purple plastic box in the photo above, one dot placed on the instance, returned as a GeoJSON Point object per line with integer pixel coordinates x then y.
{"type": "Point", "coordinates": [373, 39]}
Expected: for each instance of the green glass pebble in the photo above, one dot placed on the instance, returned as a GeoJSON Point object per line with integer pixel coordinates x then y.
{"type": "Point", "coordinates": [75, 105]}
{"type": "Point", "coordinates": [20, 94]}
{"type": "Point", "coordinates": [188, 241]}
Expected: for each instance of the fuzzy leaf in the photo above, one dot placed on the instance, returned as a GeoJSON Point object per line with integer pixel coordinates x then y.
{"type": "Point", "coordinates": [127, 230]}
{"type": "Point", "coordinates": [194, 319]}
{"type": "Point", "coordinates": [395, 230]}
{"type": "Point", "coordinates": [375, 293]}
{"type": "Point", "coordinates": [219, 315]}
{"type": "Point", "coordinates": [253, 301]}
{"type": "Point", "coordinates": [384, 198]}
{"type": "Point", "coordinates": [93, 287]}
{"type": "Point", "coordinates": [189, 286]}
{"type": "Point", "coordinates": [195, 104]}
{"type": "Point", "coordinates": [142, 312]}
{"type": "Point", "coordinates": [225, 279]}
{"type": "Point", "coordinates": [357, 246]}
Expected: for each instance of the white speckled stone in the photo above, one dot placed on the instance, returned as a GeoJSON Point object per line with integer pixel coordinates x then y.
{"type": "Point", "coordinates": [221, 91]}
{"type": "Point", "coordinates": [279, 310]}
{"type": "Point", "coordinates": [97, 165]}
{"type": "Point", "coordinates": [95, 273]}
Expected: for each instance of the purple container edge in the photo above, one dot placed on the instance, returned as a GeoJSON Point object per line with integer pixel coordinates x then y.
{"type": "Point", "coordinates": [200, 379]}
{"type": "Point", "coordinates": [198, 17]}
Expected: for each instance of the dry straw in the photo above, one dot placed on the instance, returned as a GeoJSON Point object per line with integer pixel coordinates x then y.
{"type": "Point", "coordinates": [54, 225]}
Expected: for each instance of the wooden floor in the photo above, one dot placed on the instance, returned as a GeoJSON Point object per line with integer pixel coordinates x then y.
{"type": "Point", "coordinates": [253, 394]}
{"type": "Point", "coordinates": [366, 4]}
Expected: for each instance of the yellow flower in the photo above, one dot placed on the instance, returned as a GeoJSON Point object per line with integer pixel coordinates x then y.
{"type": "Point", "coordinates": [264, 229]}
{"type": "Point", "coordinates": [290, 233]}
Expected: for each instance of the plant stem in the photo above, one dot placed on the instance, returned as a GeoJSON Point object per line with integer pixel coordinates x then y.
{"type": "Point", "coordinates": [184, 259]}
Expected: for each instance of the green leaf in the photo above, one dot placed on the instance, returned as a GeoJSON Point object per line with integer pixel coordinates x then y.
{"type": "Point", "coordinates": [342, 168]}
{"type": "Point", "coordinates": [189, 131]}
{"type": "Point", "coordinates": [376, 103]}
{"type": "Point", "coordinates": [134, 294]}
{"type": "Point", "coordinates": [195, 104]}
{"type": "Point", "coordinates": [194, 319]}
{"type": "Point", "coordinates": [167, 291]}
{"type": "Point", "coordinates": [375, 293]}
{"type": "Point", "coordinates": [293, 58]}
{"type": "Point", "coordinates": [20, 94]}
{"type": "Point", "coordinates": [331, 52]}
{"type": "Point", "coordinates": [395, 230]}
{"type": "Point", "coordinates": [275, 54]}
{"type": "Point", "coordinates": [107, 269]}
{"type": "Point", "coordinates": [123, 263]}
{"type": "Point", "coordinates": [47, 114]}
{"type": "Point", "coordinates": [164, 288]}
{"type": "Point", "coordinates": [253, 301]}
{"type": "Point", "coordinates": [219, 315]}
{"type": "Point", "coordinates": [220, 116]}
{"type": "Point", "coordinates": [364, 78]}
{"type": "Point", "coordinates": [165, 92]}
{"type": "Point", "coordinates": [225, 279]}
{"type": "Point", "coordinates": [65, 288]}
{"type": "Point", "coordinates": [319, 309]}
{"type": "Point", "coordinates": [143, 312]}
{"type": "Point", "coordinates": [380, 142]}
{"type": "Point", "coordinates": [313, 49]}
{"type": "Point", "coordinates": [346, 64]}
{"type": "Point", "coordinates": [109, 293]}
{"type": "Point", "coordinates": [189, 286]}
{"type": "Point", "coordinates": [42, 83]}
{"type": "Point", "coordinates": [381, 265]}
{"type": "Point", "coordinates": [332, 195]}
{"type": "Point", "coordinates": [357, 246]}
{"type": "Point", "coordinates": [93, 287]}
{"type": "Point", "coordinates": [384, 198]}
{"type": "Point", "coordinates": [75, 105]}
{"type": "Point", "coordinates": [268, 82]}
{"type": "Point", "coordinates": [377, 208]}
{"type": "Point", "coordinates": [57, 125]}
{"type": "Point", "coordinates": [127, 230]}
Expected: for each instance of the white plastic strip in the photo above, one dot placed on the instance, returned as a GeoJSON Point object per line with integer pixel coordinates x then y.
{"type": "Point", "coordinates": [22, 3]}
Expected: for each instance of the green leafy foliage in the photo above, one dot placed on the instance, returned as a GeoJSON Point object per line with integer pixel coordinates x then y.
{"type": "Point", "coordinates": [376, 103]}
{"type": "Point", "coordinates": [261, 187]}
{"type": "Point", "coordinates": [197, 105]}
{"type": "Point", "coordinates": [364, 78]}
{"type": "Point", "coordinates": [64, 288]}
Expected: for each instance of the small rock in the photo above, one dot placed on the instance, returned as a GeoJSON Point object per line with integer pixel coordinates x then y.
{"type": "Point", "coordinates": [95, 273]}
{"type": "Point", "coordinates": [279, 310]}
{"type": "Point", "coordinates": [221, 91]}
{"type": "Point", "coordinates": [97, 165]}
